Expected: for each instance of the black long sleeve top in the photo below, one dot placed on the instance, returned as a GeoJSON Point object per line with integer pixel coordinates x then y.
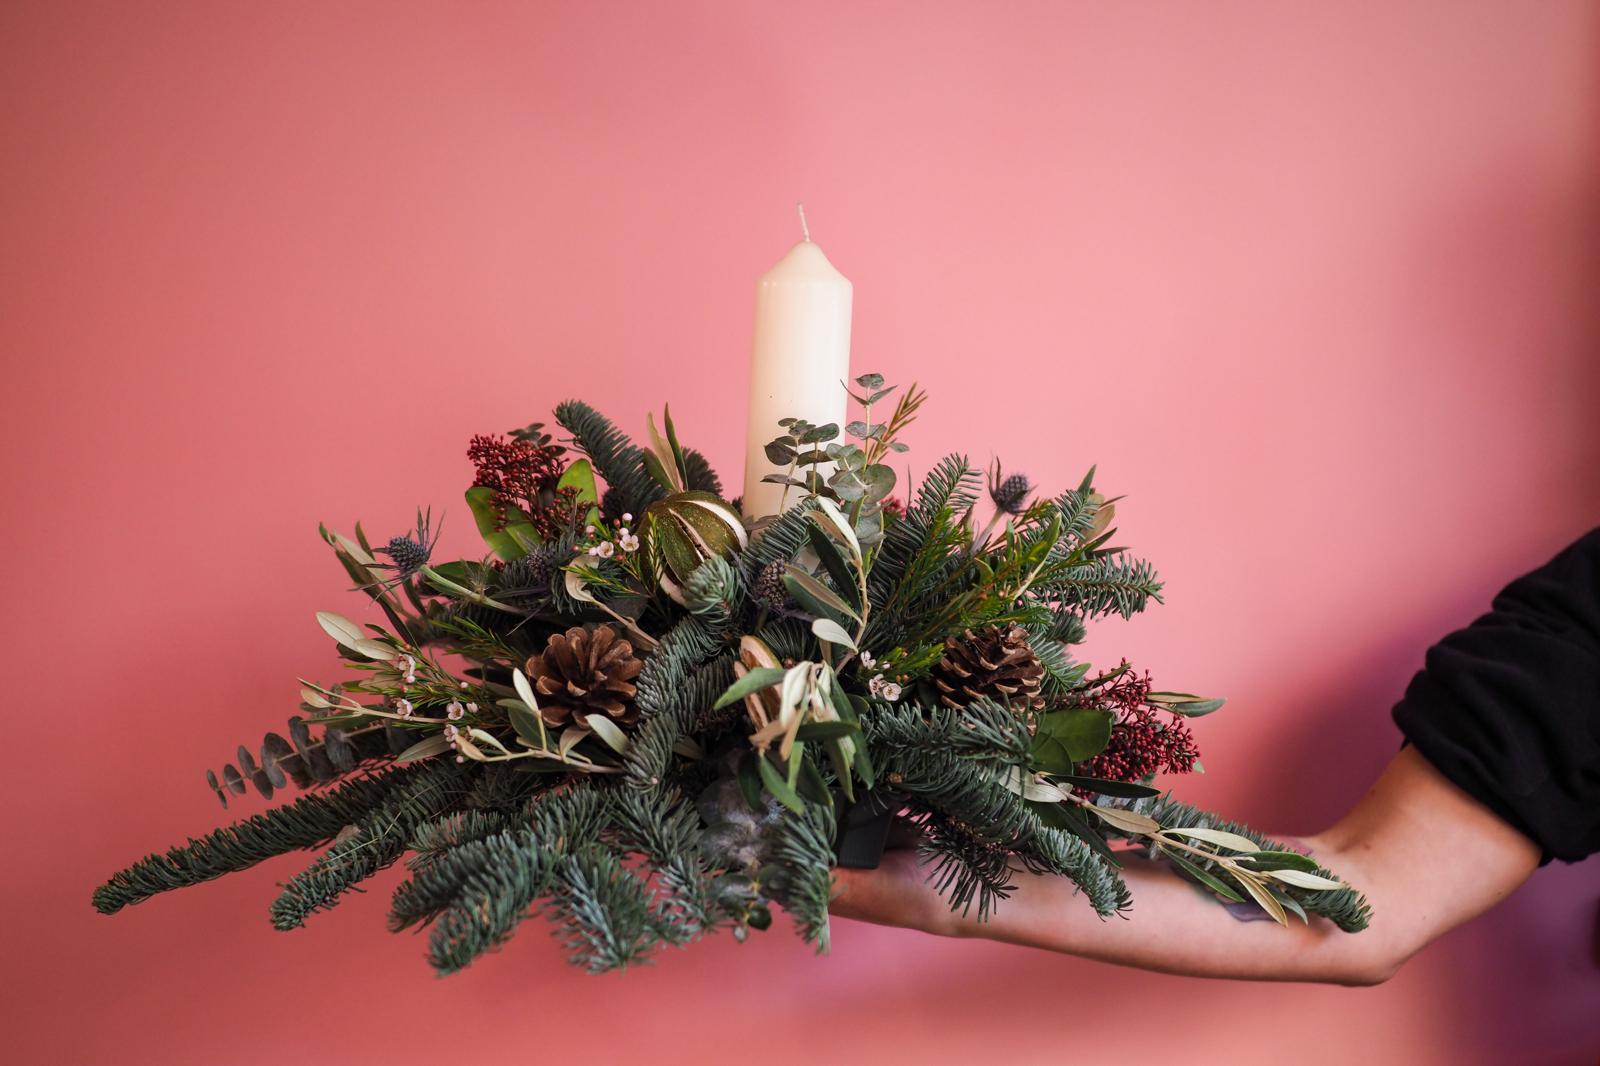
{"type": "Point", "coordinates": [1509, 707]}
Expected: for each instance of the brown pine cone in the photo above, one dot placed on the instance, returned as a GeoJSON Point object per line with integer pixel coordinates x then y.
{"type": "Point", "coordinates": [995, 662]}
{"type": "Point", "coordinates": [584, 671]}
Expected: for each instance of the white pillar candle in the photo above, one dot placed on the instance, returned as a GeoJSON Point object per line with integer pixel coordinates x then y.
{"type": "Point", "coordinates": [801, 360]}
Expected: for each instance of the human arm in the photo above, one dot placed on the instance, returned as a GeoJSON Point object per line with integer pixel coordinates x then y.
{"type": "Point", "coordinates": [1406, 845]}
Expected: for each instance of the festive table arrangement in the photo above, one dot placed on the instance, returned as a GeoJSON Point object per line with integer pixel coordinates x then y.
{"type": "Point", "coordinates": [650, 712]}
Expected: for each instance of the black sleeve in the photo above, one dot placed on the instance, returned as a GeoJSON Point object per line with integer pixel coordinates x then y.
{"type": "Point", "coordinates": [1509, 707]}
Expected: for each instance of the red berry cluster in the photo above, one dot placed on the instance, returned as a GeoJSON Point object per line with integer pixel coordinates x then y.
{"type": "Point", "coordinates": [523, 476]}
{"type": "Point", "coordinates": [1143, 740]}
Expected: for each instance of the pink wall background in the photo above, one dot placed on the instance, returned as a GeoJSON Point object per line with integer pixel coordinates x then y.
{"type": "Point", "coordinates": [1313, 285]}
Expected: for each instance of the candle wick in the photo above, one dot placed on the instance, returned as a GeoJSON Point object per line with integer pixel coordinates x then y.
{"type": "Point", "coordinates": [805, 230]}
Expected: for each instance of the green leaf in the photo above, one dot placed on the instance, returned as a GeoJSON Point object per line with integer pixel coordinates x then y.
{"type": "Point", "coordinates": [658, 471]}
{"type": "Point", "coordinates": [833, 562]}
{"type": "Point", "coordinates": [672, 439]}
{"type": "Point", "coordinates": [813, 786]}
{"type": "Point", "coordinates": [827, 730]}
{"type": "Point", "coordinates": [1120, 789]}
{"type": "Point", "coordinates": [1290, 904]}
{"type": "Point", "coordinates": [501, 541]}
{"type": "Point", "coordinates": [818, 434]}
{"type": "Point", "coordinates": [840, 759]}
{"type": "Point", "coordinates": [841, 703]}
{"type": "Point", "coordinates": [815, 596]}
{"type": "Point", "coordinates": [525, 722]}
{"type": "Point", "coordinates": [759, 678]}
{"type": "Point", "coordinates": [1280, 860]}
{"type": "Point", "coordinates": [750, 780]}
{"type": "Point", "coordinates": [775, 783]}
{"type": "Point", "coordinates": [1065, 816]}
{"type": "Point", "coordinates": [1064, 738]}
{"type": "Point", "coordinates": [1194, 871]}
{"type": "Point", "coordinates": [870, 381]}
{"type": "Point", "coordinates": [580, 477]}
{"type": "Point", "coordinates": [827, 511]}
{"type": "Point", "coordinates": [780, 452]}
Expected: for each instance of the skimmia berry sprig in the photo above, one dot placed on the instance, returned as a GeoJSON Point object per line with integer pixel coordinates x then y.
{"type": "Point", "coordinates": [650, 717]}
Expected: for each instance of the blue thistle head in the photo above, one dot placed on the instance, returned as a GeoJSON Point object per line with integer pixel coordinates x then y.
{"type": "Point", "coordinates": [411, 552]}
{"type": "Point", "coordinates": [1010, 494]}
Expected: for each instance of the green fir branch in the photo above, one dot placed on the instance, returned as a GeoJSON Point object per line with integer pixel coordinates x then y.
{"type": "Point", "coordinates": [376, 841]}
{"type": "Point", "coordinates": [618, 461]}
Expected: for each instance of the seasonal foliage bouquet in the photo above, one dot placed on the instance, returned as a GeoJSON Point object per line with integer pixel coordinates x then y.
{"type": "Point", "coordinates": [650, 718]}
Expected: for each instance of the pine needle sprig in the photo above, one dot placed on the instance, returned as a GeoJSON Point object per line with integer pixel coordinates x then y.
{"type": "Point", "coordinates": [491, 885]}
{"type": "Point", "coordinates": [377, 841]}
{"type": "Point", "coordinates": [308, 822]}
{"type": "Point", "coordinates": [803, 877]}
{"type": "Point", "coordinates": [609, 918]}
{"type": "Point", "coordinates": [665, 829]}
{"type": "Point", "coordinates": [616, 458]}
